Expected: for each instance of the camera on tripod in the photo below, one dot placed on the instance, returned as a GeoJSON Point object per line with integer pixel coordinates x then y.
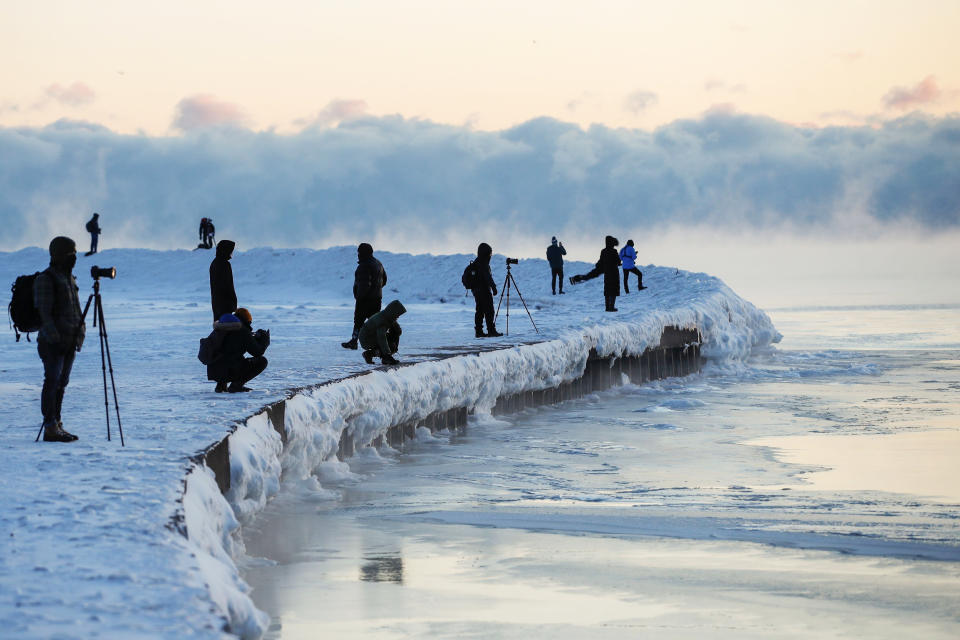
{"type": "Point", "coordinates": [103, 272]}
{"type": "Point", "coordinates": [513, 261]}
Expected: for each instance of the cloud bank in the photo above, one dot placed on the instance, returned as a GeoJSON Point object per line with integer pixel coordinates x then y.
{"type": "Point", "coordinates": [398, 178]}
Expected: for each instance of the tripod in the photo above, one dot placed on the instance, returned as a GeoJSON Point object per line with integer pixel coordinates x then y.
{"type": "Point", "coordinates": [506, 290]}
{"type": "Point", "coordinates": [104, 350]}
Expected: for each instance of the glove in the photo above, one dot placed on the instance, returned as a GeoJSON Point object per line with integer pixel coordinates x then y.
{"type": "Point", "coordinates": [494, 289]}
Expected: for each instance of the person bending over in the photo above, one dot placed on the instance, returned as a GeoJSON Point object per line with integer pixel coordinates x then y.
{"type": "Point", "coordinates": [230, 366]}
{"type": "Point", "coordinates": [380, 334]}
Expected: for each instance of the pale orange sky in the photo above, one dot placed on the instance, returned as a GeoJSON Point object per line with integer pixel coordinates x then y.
{"type": "Point", "coordinates": [129, 64]}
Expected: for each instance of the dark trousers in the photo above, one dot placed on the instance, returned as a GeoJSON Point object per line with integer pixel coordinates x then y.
{"type": "Point", "coordinates": [94, 238]}
{"type": "Point", "coordinates": [57, 364]}
{"type": "Point", "coordinates": [362, 311]}
{"type": "Point", "coordinates": [626, 276]}
{"type": "Point", "coordinates": [611, 302]}
{"type": "Point", "coordinates": [247, 370]}
{"type": "Point", "coordinates": [555, 273]}
{"type": "Point", "coordinates": [484, 301]}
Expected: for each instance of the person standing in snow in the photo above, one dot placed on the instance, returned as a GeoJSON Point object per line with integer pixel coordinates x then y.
{"type": "Point", "coordinates": [206, 233]}
{"type": "Point", "coordinates": [230, 366]}
{"type": "Point", "coordinates": [609, 266]}
{"type": "Point", "coordinates": [61, 332]}
{"type": "Point", "coordinates": [93, 226]}
{"type": "Point", "coordinates": [555, 253]}
{"type": "Point", "coordinates": [223, 297]}
{"type": "Point", "coordinates": [628, 255]}
{"type": "Point", "coordinates": [368, 282]}
{"type": "Point", "coordinates": [484, 288]}
{"type": "Point", "coordinates": [380, 334]}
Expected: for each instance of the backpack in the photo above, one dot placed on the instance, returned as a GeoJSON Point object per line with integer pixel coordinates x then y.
{"type": "Point", "coordinates": [210, 347]}
{"type": "Point", "coordinates": [91, 225]}
{"type": "Point", "coordinates": [470, 277]}
{"type": "Point", "coordinates": [24, 317]}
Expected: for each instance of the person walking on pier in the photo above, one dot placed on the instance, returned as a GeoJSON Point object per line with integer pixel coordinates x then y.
{"type": "Point", "coordinates": [484, 288]}
{"type": "Point", "coordinates": [628, 255]}
{"type": "Point", "coordinates": [368, 282]}
{"type": "Point", "coordinates": [223, 297]}
{"type": "Point", "coordinates": [555, 253]}
{"type": "Point", "coordinates": [93, 226]}
{"type": "Point", "coordinates": [380, 334]}
{"type": "Point", "coordinates": [609, 266]}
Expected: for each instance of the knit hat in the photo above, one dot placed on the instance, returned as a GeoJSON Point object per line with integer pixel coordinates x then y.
{"type": "Point", "coordinates": [244, 314]}
{"type": "Point", "coordinates": [62, 246]}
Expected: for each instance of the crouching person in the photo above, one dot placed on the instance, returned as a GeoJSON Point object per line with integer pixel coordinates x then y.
{"type": "Point", "coordinates": [230, 368]}
{"type": "Point", "coordinates": [380, 335]}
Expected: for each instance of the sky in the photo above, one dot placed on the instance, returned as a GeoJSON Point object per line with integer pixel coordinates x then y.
{"type": "Point", "coordinates": [422, 125]}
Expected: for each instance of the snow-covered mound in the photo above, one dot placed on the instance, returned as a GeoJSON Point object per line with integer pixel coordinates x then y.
{"type": "Point", "coordinates": [88, 546]}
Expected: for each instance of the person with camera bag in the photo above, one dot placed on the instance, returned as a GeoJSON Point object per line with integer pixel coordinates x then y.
{"type": "Point", "coordinates": [229, 365]}
{"type": "Point", "coordinates": [62, 330]}
{"type": "Point", "coordinates": [483, 288]}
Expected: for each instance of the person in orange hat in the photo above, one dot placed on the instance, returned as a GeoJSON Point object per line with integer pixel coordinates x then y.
{"type": "Point", "coordinates": [230, 366]}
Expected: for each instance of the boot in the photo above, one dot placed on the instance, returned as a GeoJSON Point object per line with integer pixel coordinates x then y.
{"type": "Point", "coordinates": [53, 432]}
{"type": "Point", "coordinates": [493, 333]}
{"type": "Point", "coordinates": [221, 387]}
{"type": "Point", "coordinates": [368, 356]}
{"type": "Point", "coordinates": [389, 360]}
{"type": "Point", "coordinates": [478, 333]}
{"type": "Point", "coordinates": [349, 344]}
{"type": "Point", "coordinates": [237, 388]}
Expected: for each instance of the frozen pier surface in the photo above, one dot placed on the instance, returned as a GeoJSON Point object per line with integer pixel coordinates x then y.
{"type": "Point", "coordinates": [91, 535]}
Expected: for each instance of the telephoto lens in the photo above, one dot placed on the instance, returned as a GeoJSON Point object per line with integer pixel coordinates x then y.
{"type": "Point", "coordinates": [103, 272]}
{"type": "Point", "coordinates": [513, 261]}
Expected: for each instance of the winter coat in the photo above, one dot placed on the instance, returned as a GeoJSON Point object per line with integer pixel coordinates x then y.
{"type": "Point", "coordinates": [629, 256]}
{"type": "Point", "coordinates": [223, 297]}
{"type": "Point", "coordinates": [555, 255]}
{"type": "Point", "coordinates": [56, 297]}
{"type": "Point", "coordinates": [484, 283]}
{"type": "Point", "coordinates": [375, 331]}
{"type": "Point", "coordinates": [609, 266]}
{"type": "Point", "coordinates": [92, 226]}
{"type": "Point", "coordinates": [369, 279]}
{"type": "Point", "coordinates": [239, 339]}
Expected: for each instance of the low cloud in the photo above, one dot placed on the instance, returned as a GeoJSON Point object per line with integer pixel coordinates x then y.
{"type": "Point", "coordinates": [337, 111]}
{"type": "Point", "coordinates": [903, 98]}
{"type": "Point", "coordinates": [77, 94]}
{"type": "Point", "coordinates": [639, 101]}
{"type": "Point", "coordinates": [204, 110]}
{"type": "Point", "coordinates": [407, 178]}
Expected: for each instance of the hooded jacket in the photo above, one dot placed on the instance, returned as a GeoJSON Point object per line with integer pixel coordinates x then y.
{"type": "Point", "coordinates": [238, 340]}
{"type": "Point", "coordinates": [223, 297]}
{"type": "Point", "coordinates": [382, 329]}
{"type": "Point", "coordinates": [555, 255]}
{"type": "Point", "coordinates": [369, 278]}
{"type": "Point", "coordinates": [629, 256]}
{"type": "Point", "coordinates": [485, 284]}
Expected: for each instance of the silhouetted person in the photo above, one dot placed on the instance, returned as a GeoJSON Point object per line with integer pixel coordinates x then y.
{"type": "Point", "coordinates": [368, 282]}
{"type": "Point", "coordinates": [207, 233]}
{"type": "Point", "coordinates": [555, 253]}
{"type": "Point", "coordinates": [223, 297]}
{"type": "Point", "coordinates": [380, 335]}
{"type": "Point", "coordinates": [230, 366]}
{"type": "Point", "coordinates": [628, 256]}
{"type": "Point", "coordinates": [93, 226]}
{"type": "Point", "coordinates": [483, 290]}
{"type": "Point", "coordinates": [61, 332]}
{"type": "Point", "coordinates": [609, 266]}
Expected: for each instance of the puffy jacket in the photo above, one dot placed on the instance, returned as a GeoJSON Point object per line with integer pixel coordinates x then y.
{"type": "Point", "coordinates": [239, 339]}
{"type": "Point", "coordinates": [369, 279]}
{"type": "Point", "coordinates": [629, 256]}
{"type": "Point", "coordinates": [223, 297]}
{"type": "Point", "coordinates": [374, 331]}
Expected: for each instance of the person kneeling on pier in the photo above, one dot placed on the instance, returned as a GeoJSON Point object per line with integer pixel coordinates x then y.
{"type": "Point", "coordinates": [229, 366]}
{"type": "Point", "coordinates": [380, 335]}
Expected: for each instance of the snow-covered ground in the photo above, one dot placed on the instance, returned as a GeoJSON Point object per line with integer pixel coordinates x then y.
{"type": "Point", "coordinates": [88, 544]}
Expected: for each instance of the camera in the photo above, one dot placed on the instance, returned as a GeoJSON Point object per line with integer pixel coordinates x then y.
{"type": "Point", "coordinates": [103, 272]}
{"type": "Point", "coordinates": [513, 261]}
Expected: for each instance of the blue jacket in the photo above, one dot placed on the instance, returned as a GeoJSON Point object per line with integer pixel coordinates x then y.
{"type": "Point", "coordinates": [628, 256]}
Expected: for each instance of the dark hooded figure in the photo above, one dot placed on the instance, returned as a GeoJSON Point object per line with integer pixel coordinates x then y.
{"type": "Point", "coordinates": [555, 253]}
{"type": "Point", "coordinates": [380, 334]}
{"type": "Point", "coordinates": [609, 266]}
{"type": "Point", "coordinates": [93, 226]}
{"type": "Point", "coordinates": [368, 282]}
{"type": "Point", "coordinates": [223, 297]}
{"type": "Point", "coordinates": [483, 291]}
{"type": "Point", "coordinates": [230, 366]}
{"type": "Point", "coordinates": [61, 332]}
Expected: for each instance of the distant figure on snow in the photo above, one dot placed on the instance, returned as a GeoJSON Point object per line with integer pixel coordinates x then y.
{"type": "Point", "coordinates": [609, 266]}
{"type": "Point", "coordinates": [368, 282]}
{"type": "Point", "coordinates": [207, 233]}
{"type": "Point", "coordinates": [229, 366]}
{"type": "Point", "coordinates": [93, 226]}
{"type": "Point", "coordinates": [223, 297]}
{"type": "Point", "coordinates": [484, 288]}
{"type": "Point", "coordinates": [555, 253]}
{"type": "Point", "coordinates": [61, 332]}
{"type": "Point", "coordinates": [628, 255]}
{"type": "Point", "coordinates": [380, 335]}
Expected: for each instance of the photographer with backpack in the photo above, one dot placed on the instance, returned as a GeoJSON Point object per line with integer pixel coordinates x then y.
{"type": "Point", "coordinates": [479, 280]}
{"type": "Point", "coordinates": [61, 332]}
{"type": "Point", "coordinates": [93, 226]}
